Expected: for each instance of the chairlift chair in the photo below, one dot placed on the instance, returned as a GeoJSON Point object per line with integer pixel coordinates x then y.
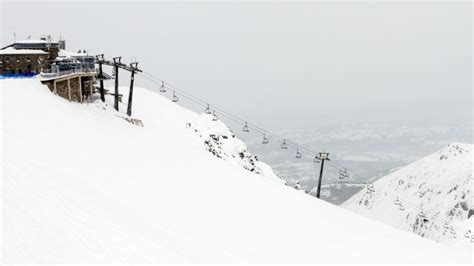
{"type": "Point", "coordinates": [317, 159]}
{"type": "Point", "coordinates": [162, 88]}
{"type": "Point", "coordinates": [245, 128]}
{"type": "Point", "coordinates": [175, 98]}
{"type": "Point", "coordinates": [422, 216]}
{"type": "Point", "coordinates": [207, 110]}
{"type": "Point", "coordinates": [452, 231]}
{"type": "Point", "coordinates": [467, 234]}
{"type": "Point", "coordinates": [446, 226]}
{"type": "Point", "coordinates": [397, 201]}
{"type": "Point", "coordinates": [298, 154]}
{"type": "Point", "coordinates": [370, 188]}
{"type": "Point", "coordinates": [343, 173]}
{"type": "Point", "coordinates": [265, 139]}
{"type": "Point", "coordinates": [214, 117]}
{"type": "Point", "coordinates": [283, 145]}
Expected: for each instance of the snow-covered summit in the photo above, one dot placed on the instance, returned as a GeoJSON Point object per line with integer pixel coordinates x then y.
{"type": "Point", "coordinates": [83, 185]}
{"type": "Point", "coordinates": [435, 197]}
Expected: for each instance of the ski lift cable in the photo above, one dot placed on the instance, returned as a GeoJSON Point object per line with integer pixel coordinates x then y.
{"type": "Point", "coordinates": [226, 114]}
{"type": "Point", "coordinates": [229, 115]}
{"type": "Point", "coordinates": [233, 117]}
{"type": "Point", "coordinates": [394, 196]}
{"type": "Point", "coordinates": [200, 102]}
{"type": "Point", "coordinates": [267, 133]}
{"type": "Point", "coordinates": [361, 179]}
{"type": "Point", "coordinates": [239, 120]}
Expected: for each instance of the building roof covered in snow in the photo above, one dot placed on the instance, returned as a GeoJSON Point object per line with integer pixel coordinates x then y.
{"type": "Point", "coordinates": [69, 54]}
{"type": "Point", "coordinates": [13, 51]}
{"type": "Point", "coordinates": [31, 41]}
{"type": "Point", "coordinates": [37, 44]}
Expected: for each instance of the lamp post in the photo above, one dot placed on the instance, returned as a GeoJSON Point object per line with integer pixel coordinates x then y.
{"type": "Point", "coordinates": [323, 156]}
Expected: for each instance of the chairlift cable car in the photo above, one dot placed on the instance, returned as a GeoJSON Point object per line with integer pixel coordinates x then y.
{"type": "Point", "coordinates": [401, 208]}
{"type": "Point", "coordinates": [370, 188]}
{"type": "Point", "coordinates": [397, 201]}
{"type": "Point", "coordinates": [162, 88]}
{"type": "Point", "coordinates": [446, 226]}
{"type": "Point", "coordinates": [317, 159]}
{"type": "Point", "coordinates": [175, 98]}
{"type": "Point", "coordinates": [422, 215]}
{"type": "Point", "coordinates": [452, 231]}
{"type": "Point", "coordinates": [467, 234]}
{"type": "Point", "coordinates": [298, 153]}
{"type": "Point", "coordinates": [283, 145]}
{"type": "Point", "coordinates": [343, 173]}
{"type": "Point", "coordinates": [207, 110]}
{"type": "Point", "coordinates": [214, 117]}
{"type": "Point", "coordinates": [246, 128]}
{"type": "Point", "coordinates": [265, 139]}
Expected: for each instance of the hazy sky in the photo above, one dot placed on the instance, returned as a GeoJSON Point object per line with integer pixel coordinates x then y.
{"type": "Point", "coordinates": [295, 64]}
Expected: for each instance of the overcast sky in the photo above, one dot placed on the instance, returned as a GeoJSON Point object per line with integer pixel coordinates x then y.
{"type": "Point", "coordinates": [282, 64]}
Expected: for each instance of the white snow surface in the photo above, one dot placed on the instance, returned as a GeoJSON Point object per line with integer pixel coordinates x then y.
{"type": "Point", "coordinates": [436, 194]}
{"type": "Point", "coordinates": [82, 185]}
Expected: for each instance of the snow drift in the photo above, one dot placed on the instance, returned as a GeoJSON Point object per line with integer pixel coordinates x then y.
{"type": "Point", "coordinates": [83, 185]}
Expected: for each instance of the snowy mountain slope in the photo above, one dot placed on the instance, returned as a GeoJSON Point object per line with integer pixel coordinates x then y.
{"type": "Point", "coordinates": [80, 184]}
{"type": "Point", "coordinates": [373, 149]}
{"type": "Point", "coordinates": [435, 192]}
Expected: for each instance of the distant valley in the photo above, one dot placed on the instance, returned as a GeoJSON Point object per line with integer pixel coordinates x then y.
{"type": "Point", "coordinates": [371, 150]}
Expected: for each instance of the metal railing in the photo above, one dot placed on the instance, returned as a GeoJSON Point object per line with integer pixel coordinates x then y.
{"type": "Point", "coordinates": [55, 72]}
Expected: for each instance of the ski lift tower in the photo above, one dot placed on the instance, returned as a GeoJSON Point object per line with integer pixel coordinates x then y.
{"type": "Point", "coordinates": [133, 68]}
{"type": "Point", "coordinates": [323, 156]}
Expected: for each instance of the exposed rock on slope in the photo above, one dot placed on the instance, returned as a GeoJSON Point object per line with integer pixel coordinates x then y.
{"type": "Point", "coordinates": [434, 196]}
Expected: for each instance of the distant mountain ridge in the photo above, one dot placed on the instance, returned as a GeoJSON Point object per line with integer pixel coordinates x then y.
{"type": "Point", "coordinates": [431, 197]}
{"type": "Point", "coordinates": [372, 150]}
